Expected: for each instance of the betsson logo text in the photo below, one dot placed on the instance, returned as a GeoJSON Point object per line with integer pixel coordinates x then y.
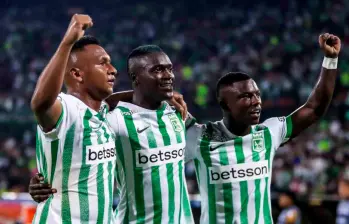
{"type": "Point", "coordinates": [159, 156]}
{"type": "Point", "coordinates": [100, 153]}
{"type": "Point", "coordinates": [238, 172]}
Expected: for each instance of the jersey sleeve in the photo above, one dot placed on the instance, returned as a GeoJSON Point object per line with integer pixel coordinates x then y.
{"type": "Point", "coordinates": [280, 129]}
{"type": "Point", "coordinates": [189, 121]}
{"type": "Point", "coordinates": [193, 135]}
{"type": "Point", "coordinates": [112, 118]}
{"type": "Point", "coordinates": [69, 115]}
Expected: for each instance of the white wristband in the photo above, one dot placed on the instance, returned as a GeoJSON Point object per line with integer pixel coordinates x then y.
{"type": "Point", "coordinates": [330, 63]}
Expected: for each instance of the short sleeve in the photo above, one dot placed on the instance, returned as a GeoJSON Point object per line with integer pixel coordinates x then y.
{"type": "Point", "coordinates": [193, 135]}
{"type": "Point", "coordinates": [69, 114]}
{"type": "Point", "coordinates": [112, 118]}
{"type": "Point", "coordinates": [280, 128]}
{"type": "Point", "coordinates": [189, 121]}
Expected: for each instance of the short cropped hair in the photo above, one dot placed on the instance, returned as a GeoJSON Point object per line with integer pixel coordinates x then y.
{"type": "Point", "coordinates": [84, 41]}
{"type": "Point", "coordinates": [141, 51]}
{"type": "Point", "coordinates": [229, 79]}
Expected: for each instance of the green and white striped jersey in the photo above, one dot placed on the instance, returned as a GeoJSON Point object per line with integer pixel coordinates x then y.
{"type": "Point", "coordinates": [234, 172]}
{"type": "Point", "coordinates": [150, 165]}
{"type": "Point", "coordinates": [78, 159]}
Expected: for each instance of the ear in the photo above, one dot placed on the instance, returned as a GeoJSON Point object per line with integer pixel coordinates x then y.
{"type": "Point", "coordinates": [76, 74]}
{"type": "Point", "coordinates": [134, 78]}
{"type": "Point", "coordinates": [223, 105]}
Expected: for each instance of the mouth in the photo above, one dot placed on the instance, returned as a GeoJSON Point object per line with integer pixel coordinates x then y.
{"type": "Point", "coordinates": [255, 113]}
{"type": "Point", "coordinates": [166, 86]}
{"type": "Point", "coordinates": [111, 81]}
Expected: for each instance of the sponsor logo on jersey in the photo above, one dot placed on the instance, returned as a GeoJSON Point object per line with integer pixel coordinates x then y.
{"type": "Point", "coordinates": [176, 124]}
{"type": "Point", "coordinates": [258, 141]}
{"type": "Point", "coordinates": [238, 172]}
{"type": "Point", "coordinates": [100, 153]}
{"type": "Point", "coordinates": [159, 156]}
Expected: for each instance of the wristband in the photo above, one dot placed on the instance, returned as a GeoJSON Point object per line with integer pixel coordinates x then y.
{"type": "Point", "coordinates": [330, 63]}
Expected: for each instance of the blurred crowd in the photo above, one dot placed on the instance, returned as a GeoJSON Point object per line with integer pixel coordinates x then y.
{"type": "Point", "coordinates": [275, 43]}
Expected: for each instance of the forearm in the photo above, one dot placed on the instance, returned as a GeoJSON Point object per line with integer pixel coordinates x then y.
{"type": "Point", "coordinates": [321, 96]}
{"type": "Point", "coordinates": [51, 80]}
{"type": "Point", "coordinates": [115, 98]}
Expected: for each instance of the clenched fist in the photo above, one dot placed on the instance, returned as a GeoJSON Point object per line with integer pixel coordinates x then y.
{"type": "Point", "coordinates": [330, 44]}
{"type": "Point", "coordinates": [78, 24]}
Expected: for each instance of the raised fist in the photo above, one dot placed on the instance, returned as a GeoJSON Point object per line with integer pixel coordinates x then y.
{"type": "Point", "coordinates": [330, 44]}
{"type": "Point", "coordinates": [78, 24]}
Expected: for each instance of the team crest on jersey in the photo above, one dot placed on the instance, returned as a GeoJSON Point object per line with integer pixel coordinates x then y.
{"type": "Point", "coordinates": [176, 124]}
{"type": "Point", "coordinates": [258, 141]}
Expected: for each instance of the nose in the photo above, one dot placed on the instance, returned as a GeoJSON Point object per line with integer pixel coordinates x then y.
{"type": "Point", "coordinates": [168, 74]}
{"type": "Point", "coordinates": [256, 100]}
{"type": "Point", "coordinates": [112, 70]}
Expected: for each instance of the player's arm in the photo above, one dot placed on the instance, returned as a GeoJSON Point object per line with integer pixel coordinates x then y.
{"type": "Point", "coordinates": [44, 103]}
{"type": "Point", "coordinates": [115, 98]}
{"type": "Point", "coordinates": [321, 96]}
{"type": "Point", "coordinates": [38, 190]}
{"type": "Point", "coordinates": [126, 96]}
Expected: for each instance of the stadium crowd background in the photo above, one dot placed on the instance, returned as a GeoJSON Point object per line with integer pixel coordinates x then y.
{"type": "Point", "coordinates": [274, 41]}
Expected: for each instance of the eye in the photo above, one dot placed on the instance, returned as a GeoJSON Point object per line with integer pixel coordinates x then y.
{"type": "Point", "coordinates": [158, 69]}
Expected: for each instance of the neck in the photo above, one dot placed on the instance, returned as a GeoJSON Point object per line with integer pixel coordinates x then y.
{"type": "Point", "coordinates": [87, 99]}
{"type": "Point", "coordinates": [145, 102]}
{"type": "Point", "coordinates": [235, 127]}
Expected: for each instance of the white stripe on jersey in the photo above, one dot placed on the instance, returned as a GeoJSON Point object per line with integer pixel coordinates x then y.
{"type": "Point", "coordinates": [62, 158]}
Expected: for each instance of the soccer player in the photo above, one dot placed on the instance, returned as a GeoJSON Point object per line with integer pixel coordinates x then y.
{"type": "Point", "coordinates": [75, 148]}
{"type": "Point", "coordinates": [150, 146]}
{"type": "Point", "coordinates": [233, 157]}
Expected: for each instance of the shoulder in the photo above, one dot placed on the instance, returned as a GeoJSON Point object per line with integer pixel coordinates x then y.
{"type": "Point", "coordinates": [274, 121]}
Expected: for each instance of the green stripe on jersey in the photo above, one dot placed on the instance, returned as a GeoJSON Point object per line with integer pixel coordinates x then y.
{"type": "Point", "coordinates": [67, 160]}
{"type": "Point", "coordinates": [266, 208]}
{"type": "Point", "coordinates": [169, 170]}
{"type": "Point", "coordinates": [85, 170]}
{"type": "Point", "coordinates": [211, 191]}
{"type": "Point", "coordinates": [38, 153]}
{"type": "Point", "coordinates": [120, 152]}
{"type": "Point", "coordinates": [155, 181]}
{"type": "Point", "coordinates": [257, 191]}
{"type": "Point", "coordinates": [138, 174]}
{"type": "Point", "coordinates": [110, 179]}
{"type": "Point", "coordinates": [289, 127]}
{"type": "Point", "coordinates": [43, 159]}
{"type": "Point", "coordinates": [178, 134]}
{"type": "Point", "coordinates": [100, 185]}
{"type": "Point", "coordinates": [44, 213]}
{"type": "Point", "coordinates": [227, 190]}
{"type": "Point", "coordinates": [54, 152]}
{"type": "Point", "coordinates": [240, 157]}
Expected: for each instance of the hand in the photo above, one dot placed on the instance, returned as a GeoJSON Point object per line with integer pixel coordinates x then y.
{"type": "Point", "coordinates": [178, 102]}
{"type": "Point", "coordinates": [330, 44]}
{"type": "Point", "coordinates": [40, 191]}
{"type": "Point", "coordinates": [78, 24]}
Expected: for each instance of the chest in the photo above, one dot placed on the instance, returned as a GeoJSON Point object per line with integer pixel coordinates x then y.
{"type": "Point", "coordinates": [97, 139]}
{"type": "Point", "coordinates": [150, 130]}
{"type": "Point", "coordinates": [251, 148]}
